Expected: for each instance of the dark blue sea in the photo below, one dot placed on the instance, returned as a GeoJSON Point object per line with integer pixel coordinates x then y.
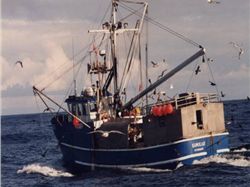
{"type": "Point", "coordinates": [30, 157]}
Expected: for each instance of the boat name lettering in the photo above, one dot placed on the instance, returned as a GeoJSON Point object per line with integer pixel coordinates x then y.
{"type": "Point", "coordinates": [198, 144]}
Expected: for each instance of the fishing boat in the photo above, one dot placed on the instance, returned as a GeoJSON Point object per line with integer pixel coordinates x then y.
{"type": "Point", "coordinates": [102, 129]}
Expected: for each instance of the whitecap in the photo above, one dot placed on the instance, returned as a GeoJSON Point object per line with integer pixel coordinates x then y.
{"type": "Point", "coordinates": [240, 161]}
{"type": "Point", "coordinates": [179, 165]}
{"type": "Point", "coordinates": [44, 170]}
{"type": "Point", "coordinates": [146, 170]}
{"type": "Point", "coordinates": [240, 150]}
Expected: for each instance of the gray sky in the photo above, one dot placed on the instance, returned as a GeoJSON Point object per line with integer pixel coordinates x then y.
{"type": "Point", "coordinates": [40, 33]}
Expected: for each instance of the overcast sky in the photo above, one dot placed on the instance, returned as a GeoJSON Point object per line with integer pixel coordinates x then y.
{"type": "Point", "coordinates": [40, 32]}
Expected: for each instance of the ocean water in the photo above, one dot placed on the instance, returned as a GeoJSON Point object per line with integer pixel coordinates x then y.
{"type": "Point", "coordinates": [30, 157]}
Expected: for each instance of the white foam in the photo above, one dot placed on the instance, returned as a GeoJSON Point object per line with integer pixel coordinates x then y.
{"type": "Point", "coordinates": [240, 150]}
{"type": "Point", "coordinates": [44, 170]}
{"type": "Point", "coordinates": [238, 161]}
{"type": "Point", "coordinates": [144, 169]}
{"type": "Point", "coordinates": [179, 165]}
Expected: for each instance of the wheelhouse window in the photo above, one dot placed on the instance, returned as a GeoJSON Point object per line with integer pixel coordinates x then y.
{"type": "Point", "coordinates": [199, 119]}
{"type": "Point", "coordinates": [92, 107]}
{"type": "Point", "coordinates": [79, 109]}
{"type": "Point", "coordinates": [84, 111]}
{"type": "Point", "coordinates": [74, 109]}
{"type": "Point", "coordinates": [70, 107]}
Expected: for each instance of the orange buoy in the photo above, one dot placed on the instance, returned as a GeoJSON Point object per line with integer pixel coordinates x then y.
{"type": "Point", "coordinates": [164, 110]}
{"type": "Point", "coordinates": [154, 110]}
{"type": "Point", "coordinates": [159, 111]}
{"type": "Point", "coordinates": [169, 109]}
{"type": "Point", "coordinates": [76, 122]}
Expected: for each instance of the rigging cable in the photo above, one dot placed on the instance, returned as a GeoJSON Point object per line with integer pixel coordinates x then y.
{"type": "Point", "coordinates": [212, 76]}
{"type": "Point", "coordinates": [61, 67]}
{"type": "Point", "coordinates": [190, 79]}
{"type": "Point", "coordinates": [140, 65]}
{"type": "Point", "coordinates": [156, 23]}
{"type": "Point", "coordinates": [101, 22]}
{"type": "Point", "coordinates": [66, 71]}
{"type": "Point", "coordinates": [65, 63]}
{"type": "Point", "coordinates": [128, 60]}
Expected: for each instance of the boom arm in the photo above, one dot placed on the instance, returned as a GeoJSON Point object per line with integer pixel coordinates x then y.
{"type": "Point", "coordinates": [164, 78]}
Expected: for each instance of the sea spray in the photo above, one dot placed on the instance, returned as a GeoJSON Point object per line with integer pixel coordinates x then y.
{"type": "Point", "coordinates": [145, 170]}
{"type": "Point", "coordinates": [233, 160]}
{"type": "Point", "coordinates": [44, 170]}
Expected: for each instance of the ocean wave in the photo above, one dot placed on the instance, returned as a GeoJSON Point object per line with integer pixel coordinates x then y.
{"type": "Point", "coordinates": [240, 150]}
{"type": "Point", "coordinates": [44, 170]}
{"type": "Point", "coordinates": [145, 170]}
{"type": "Point", "coordinates": [240, 161]}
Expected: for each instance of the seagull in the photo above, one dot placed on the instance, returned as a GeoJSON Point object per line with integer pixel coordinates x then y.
{"type": "Point", "coordinates": [197, 70]}
{"type": "Point", "coordinates": [19, 62]}
{"type": "Point", "coordinates": [149, 80]}
{"type": "Point", "coordinates": [162, 73]}
{"type": "Point", "coordinates": [48, 109]}
{"type": "Point", "coordinates": [213, 2]}
{"type": "Point", "coordinates": [210, 60]}
{"type": "Point", "coordinates": [171, 86]}
{"type": "Point", "coordinates": [222, 94]}
{"type": "Point", "coordinates": [241, 50]}
{"type": "Point", "coordinates": [164, 60]}
{"type": "Point", "coordinates": [154, 92]}
{"type": "Point", "coordinates": [124, 91]}
{"type": "Point", "coordinates": [161, 93]}
{"type": "Point", "coordinates": [154, 64]}
{"type": "Point", "coordinates": [212, 83]}
{"type": "Point", "coordinates": [105, 134]}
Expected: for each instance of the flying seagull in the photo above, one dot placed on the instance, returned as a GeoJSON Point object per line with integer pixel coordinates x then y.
{"type": "Point", "coordinates": [105, 134]}
{"type": "Point", "coordinates": [162, 73]}
{"type": "Point", "coordinates": [210, 60]}
{"type": "Point", "coordinates": [154, 92]}
{"type": "Point", "coordinates": [222, 94]}
{"type": "Point", "coordinates": [197, 70]}
{"type": "Point", "coordinates": [241, 50]}
{"type": "Point", "coordinates": [149, 80]}
{"type": "Point", "coordinates": [212, 83]}
{"type": "Point", "coordinates": [19, 62]}
{"type": "Point", "coordinates": [154, 64]}
{"type": "Point", "coordinates": [213, 2]}
{"type": "Point", "coordinates": [48, 109]}
{"type": "Point", "coordinates": [171, 86]}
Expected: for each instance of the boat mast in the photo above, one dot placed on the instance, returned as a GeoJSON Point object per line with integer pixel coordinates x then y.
{"type": "Point", "coordinates": [113, 29]}
{"type": "Point", "coordinates": [146, 58]}
{"type": "Point", "coordinates": [113, 44]}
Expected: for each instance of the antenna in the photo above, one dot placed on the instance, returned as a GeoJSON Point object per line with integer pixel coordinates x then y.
{"type": "Point", "coordinates": [73, 61]}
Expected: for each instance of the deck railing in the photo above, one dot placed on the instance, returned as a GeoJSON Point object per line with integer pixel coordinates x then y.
{"type": "Point", "coordinates": [187, 99]}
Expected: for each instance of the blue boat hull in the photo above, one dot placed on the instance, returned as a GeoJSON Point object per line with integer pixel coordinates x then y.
{"type": "Point", "coordinates": [78, 156]}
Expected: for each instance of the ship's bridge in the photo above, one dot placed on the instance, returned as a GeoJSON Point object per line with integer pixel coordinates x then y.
{"type": "Point", "coordinates": [83, 106]}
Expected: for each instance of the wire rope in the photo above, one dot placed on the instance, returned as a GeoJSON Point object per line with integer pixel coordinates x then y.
{"type": "Point", "coordinates": [156, 23]}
